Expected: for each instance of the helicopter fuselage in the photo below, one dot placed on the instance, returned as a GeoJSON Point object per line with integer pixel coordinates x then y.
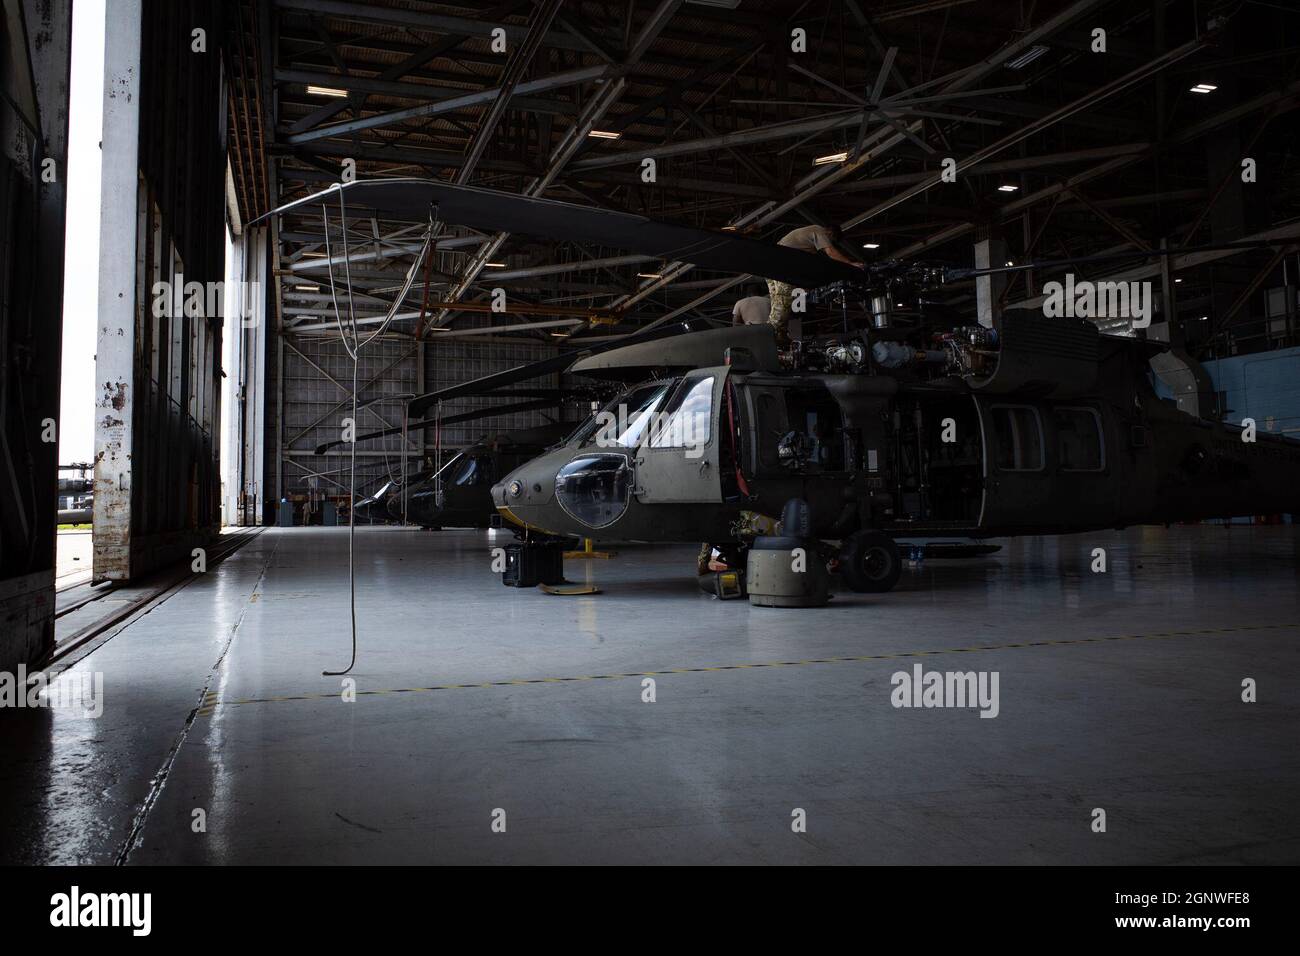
{"type": "Point", "coordinates": [696, 456]}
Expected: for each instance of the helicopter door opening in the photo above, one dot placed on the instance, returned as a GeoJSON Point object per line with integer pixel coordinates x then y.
{"type": "Point", "coordinates": [679, 459]}
{"type": "Point", "coordinates": [814, 443]}
{"type": "Point", "coordinates": [940, 454]}
{"type": "Point", "coordinates": [1018, 462]}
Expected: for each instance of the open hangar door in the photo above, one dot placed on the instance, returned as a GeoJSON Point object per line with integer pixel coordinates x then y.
{"type": "Point", "coordinates": [35, 43]}
{"type": "Point", "coordinates": [162, 241]}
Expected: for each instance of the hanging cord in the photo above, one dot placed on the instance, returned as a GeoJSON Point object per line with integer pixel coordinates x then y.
{"type": "Point", "coordinates": [352, 531]}
{"type": "Point", "coordinates": [354, 348]}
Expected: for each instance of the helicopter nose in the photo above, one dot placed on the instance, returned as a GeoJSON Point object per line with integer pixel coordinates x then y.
{"type": "Point", "coordinates": [499, 494]}
{"type": "Point", "coordinates": [529, 484]}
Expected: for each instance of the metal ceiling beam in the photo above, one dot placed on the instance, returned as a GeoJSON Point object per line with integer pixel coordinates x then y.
{"type": "Point", "coordinates": [510, 82]}
{"type": "Point", "coordinates": [1280, 101]}
{"type": "Point", "coordinates": [561, 268]}
{"type": "Point", "coordinates": [410, 156]}
{"type": "Point", "coordinates": [1019, 164]}
{"type": "Point", "coordinates": [1024, 109]}
{"type": "Point", "coordinates": [440, 23]}
{"type": "Point", "coordinates": [874, 146]}
{"type": "Point", "coordinates": [1189, 260]}
{"type": "Point", "coordinates": [447, 105]}
{"type": "Point", "coordinates": [411, 62]}
{"type": "Point", "coordinates": [354, 83]}
{"type": "Point", "coordinates": [1144, 72]}
{"type": "Point", "coordinates": [606, 96]}
{"type": "Point", "coordinates": [748, 137]}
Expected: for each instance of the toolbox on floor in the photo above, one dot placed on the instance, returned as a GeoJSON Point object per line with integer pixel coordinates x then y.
{"type": "Point", "coordinates": [529, 564]}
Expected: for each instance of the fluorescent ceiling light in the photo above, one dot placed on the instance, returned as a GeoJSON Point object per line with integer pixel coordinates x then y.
{"type": "Point", "coordinates": [604, 134]}
{"type": "Point", "coordinates": [1007, 188]}
{"type": "Point", "coordinates": [1178, 280]}
{"type": "Point", "coordinates": [649, 275]}
{"type": "Point", "coordinates": [494, 265]}
{"type": "Point", "coordinates": [830, 158]}
{"type": "Point", "coordinates": [871, 245]}
{"type": "Point", "coordinates": [307, 288]}
{"type": "Point", "coordinates": [1024, 59]}
{"type": "Point", "coordinates": [1204, 88]}
{"type": "Point", "coordinates": [326, 91]}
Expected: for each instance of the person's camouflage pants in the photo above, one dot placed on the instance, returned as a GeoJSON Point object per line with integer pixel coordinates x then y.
{"type": "Point", "coordinates": [781, 294]}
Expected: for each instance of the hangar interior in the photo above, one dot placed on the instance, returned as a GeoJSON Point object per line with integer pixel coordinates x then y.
{"type": "Point", "coordinates": [647, 721]}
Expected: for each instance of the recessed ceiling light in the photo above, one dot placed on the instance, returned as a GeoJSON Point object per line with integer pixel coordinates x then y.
{"type": "Point", "coordinates": [1010, 263]}
{"type": "Point", "coordinates": [830, 158]}
{"type": "Point", "coordinates": [1007, 188]}
{"type": "Point", "coordinates": [326, 91]}
{"type": "Point", "coordinates": [1204, 88]}
{"type": "Point", "coordinates": [604, 134]}
{"type": "Point", "coordinates": [871, 245]}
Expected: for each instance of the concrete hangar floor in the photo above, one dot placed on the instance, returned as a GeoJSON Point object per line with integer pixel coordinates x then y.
{"type": "Point", "coordinates": [479, 705]}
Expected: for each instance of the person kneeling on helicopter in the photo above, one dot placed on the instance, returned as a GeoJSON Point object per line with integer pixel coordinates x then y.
{"type": "Point", "coordinates": [814, 239]}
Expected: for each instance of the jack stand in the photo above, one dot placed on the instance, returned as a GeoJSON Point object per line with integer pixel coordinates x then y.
{"type": "Point", "coordinates": [588, 552]}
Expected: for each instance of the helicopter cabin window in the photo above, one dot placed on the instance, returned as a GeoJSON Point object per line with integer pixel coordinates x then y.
{"type": "Point", "coordinates": [1019, 437]}
{"type": "Point", "coordinates": [626, 420]}
{"type": "Point", "coordinates": [1078, 437]}
{"type": "Point", "coordinates": [686, 420]}
{"type": "Point", "coordinates": [816, 437]}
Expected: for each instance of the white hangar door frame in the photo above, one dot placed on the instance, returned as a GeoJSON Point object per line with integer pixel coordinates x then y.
{"type": "Point", "coordinates": [162, 240]}
{"type": "Point", "coordinates": [248, 284]}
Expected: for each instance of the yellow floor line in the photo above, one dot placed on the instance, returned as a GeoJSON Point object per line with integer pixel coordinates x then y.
{"type": "Point", "coordinates": [211, 702]}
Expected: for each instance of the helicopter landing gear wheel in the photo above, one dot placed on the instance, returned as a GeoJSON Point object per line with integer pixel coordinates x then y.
{"type": "Point", "coordinates": [870, 562]}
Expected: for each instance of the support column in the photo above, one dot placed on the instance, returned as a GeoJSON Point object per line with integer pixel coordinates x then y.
{"type": "Point", "coordinates": [115, 374]}
{"type": "Point", "coordinates": [990, 253]}
{"type": "Point", "coordinates": [1187, 379]}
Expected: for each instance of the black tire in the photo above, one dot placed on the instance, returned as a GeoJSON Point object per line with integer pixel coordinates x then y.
{"type": "Point", "coordinates": [870, 562]}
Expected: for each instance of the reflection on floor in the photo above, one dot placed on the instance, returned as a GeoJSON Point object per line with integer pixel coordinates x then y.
{"type": "Point", "coordinates": [221, 742]}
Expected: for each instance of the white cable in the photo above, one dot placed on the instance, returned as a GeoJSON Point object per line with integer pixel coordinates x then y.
{"type": "Point", "coordinates": [353, 349]}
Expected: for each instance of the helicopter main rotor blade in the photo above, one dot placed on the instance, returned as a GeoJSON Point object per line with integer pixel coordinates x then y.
{"type": "Point", "coordinates": [493, 211]}
{"type": "Point", "coordinates": [490, 384]}
{"type": "Point", "coordinates": [457, 419]}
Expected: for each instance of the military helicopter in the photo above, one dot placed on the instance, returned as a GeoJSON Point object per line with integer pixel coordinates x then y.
{"type": "Point", "coordinates": [456, 493]}
{"type": "Point", "coordinates": [1046, 427]}
{"type": "Point", "coordinates": [1042, 426]}
{"type": "Point", "coordinates": [459, 494]}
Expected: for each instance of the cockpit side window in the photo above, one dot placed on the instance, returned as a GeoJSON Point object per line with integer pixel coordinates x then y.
{"type": "Point", "coordinates": [626, 420]}
{"type": "Point", "coordinates": [687, 420]}
{"type": "Point", "coordinates": [468, 472]}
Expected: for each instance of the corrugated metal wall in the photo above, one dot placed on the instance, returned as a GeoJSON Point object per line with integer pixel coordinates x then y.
{"type": "Point", "coordinates": [317, 381]}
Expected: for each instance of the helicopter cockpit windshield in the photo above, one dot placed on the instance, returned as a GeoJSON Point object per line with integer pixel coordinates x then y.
{"type": "Point", "coordinates": [627, 418]}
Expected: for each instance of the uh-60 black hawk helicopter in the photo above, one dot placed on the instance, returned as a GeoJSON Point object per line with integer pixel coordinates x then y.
{"type": "Point", "coordinates": [1041, 426]}
{"type": "Point", "coordinates": [455, 492]}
